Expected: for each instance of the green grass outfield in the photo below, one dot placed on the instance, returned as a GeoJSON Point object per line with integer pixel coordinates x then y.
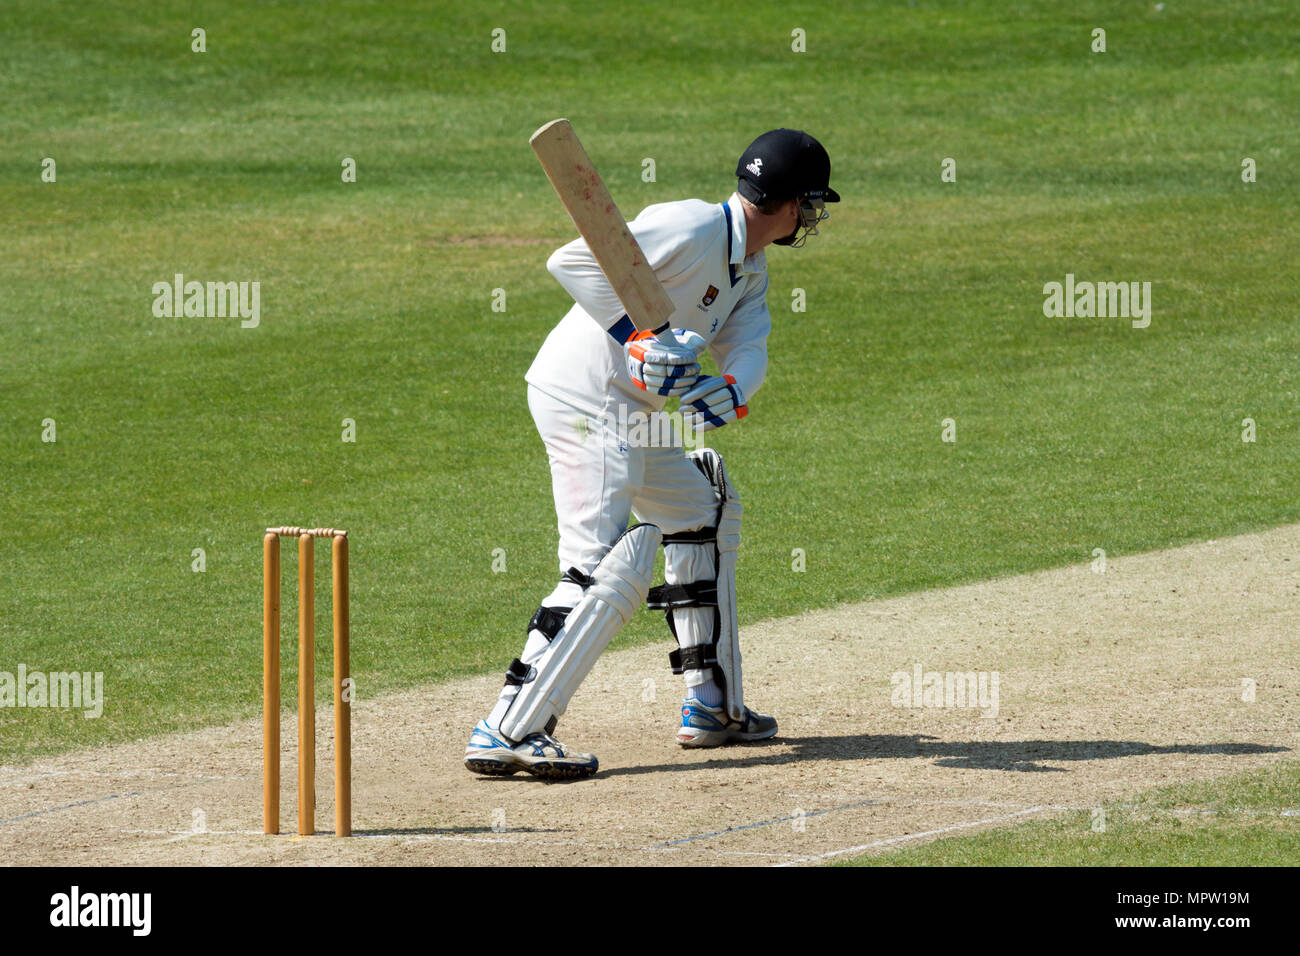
{"type": "Point", "coordinates": [1250, 819]}
{"type": "Point", "coordinates": [924, 302]}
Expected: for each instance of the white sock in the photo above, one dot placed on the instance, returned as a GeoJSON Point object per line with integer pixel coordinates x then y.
{"type": "Point", "coordinates": [709, 693]}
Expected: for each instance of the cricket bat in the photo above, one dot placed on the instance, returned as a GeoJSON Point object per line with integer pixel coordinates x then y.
{"type": "Point", "coordinates": [592, 209]}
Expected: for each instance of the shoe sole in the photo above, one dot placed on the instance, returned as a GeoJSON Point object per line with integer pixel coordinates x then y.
{"type": "Point", "coordinates": [491, 768]}
{"type": "Point", "coordinates": [720, 738]}
{"type": "Point", "coordinates": [560, 771]}
{"type": "Point", "coordinates": [543, 770]}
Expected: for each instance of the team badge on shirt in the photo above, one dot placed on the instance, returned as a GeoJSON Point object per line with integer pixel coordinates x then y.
{"type": "Point", "coordinates": [710, 295]}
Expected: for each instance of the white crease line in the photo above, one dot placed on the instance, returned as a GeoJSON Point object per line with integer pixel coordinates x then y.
{"type": "Point", "coordinates": [912, 836]}
{"type": "Point", "coordinates": [423, 837]}
{"type": "Point", "coordinates": [912, 801]}
{"type": "Point", "coordinates": [404, 837]}
{"type": "Point", "coordinates": [708, 849]}
{"type": "Point", "coordinates": [178, 835]}
{"type": "Point", "coordinates": [1209, 811]}
{"type": "Point", "coordinates": [1203, 811]}
{"type": "Point", "coordinates": [193, 832]}
{"type": "Point", "coordinates": [119, 775]}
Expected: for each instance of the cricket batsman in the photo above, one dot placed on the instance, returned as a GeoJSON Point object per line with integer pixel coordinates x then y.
{"type": "Point", "coordinates": [595, 373]}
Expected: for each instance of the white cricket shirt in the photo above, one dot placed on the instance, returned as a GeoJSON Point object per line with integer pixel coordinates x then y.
{"type": "Point", "coordinates": [697, 249]}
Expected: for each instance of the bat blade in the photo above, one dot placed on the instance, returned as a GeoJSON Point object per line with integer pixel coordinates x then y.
{"type": "Point", "coordinates": [592, 210]}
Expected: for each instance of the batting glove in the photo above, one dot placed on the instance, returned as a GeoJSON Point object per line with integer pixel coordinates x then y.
{"type": "Point", "coordinates": [713, 402]}
{"type": "Point", "coordinates": [664, 369]}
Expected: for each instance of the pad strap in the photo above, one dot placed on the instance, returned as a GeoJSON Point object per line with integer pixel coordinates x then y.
{"type": "Point", "coordinates": [698, 658]}
{"type": "Point", "coordinates": [519, 673]}
{"type": "Point", "coordinates": [705, 535]}
{"type": "Point", "coordinates": [574, 576]}
{"type": "Point", "coordinates": [549, 621]}
{"type": "Point", "coordinates": [665, 597]}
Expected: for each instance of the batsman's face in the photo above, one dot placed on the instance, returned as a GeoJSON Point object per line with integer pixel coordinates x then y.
{"type": "Point", "coordinates": [804, 214]}
{"type": "Point", "coordinates": [788, 218]}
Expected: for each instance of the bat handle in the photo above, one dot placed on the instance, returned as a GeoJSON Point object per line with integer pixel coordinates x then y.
{"type": "Point", "coordinates": [665, 335]}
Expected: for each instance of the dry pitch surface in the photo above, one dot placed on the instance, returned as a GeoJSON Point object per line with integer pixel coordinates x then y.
{"type": "Point", "coordinates": [1108, 684]}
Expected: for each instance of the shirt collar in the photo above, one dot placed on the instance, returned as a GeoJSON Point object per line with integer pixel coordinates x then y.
{"type": "Point", "coordinates": [744, 264]}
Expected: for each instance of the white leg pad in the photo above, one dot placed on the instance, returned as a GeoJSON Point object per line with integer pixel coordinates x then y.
{"type": "Point", "coordinates": [728, 649]}
{"type": "Point", "coordinates": [692, 616]}
{"type": "Point", "coordinates": [621, 581]}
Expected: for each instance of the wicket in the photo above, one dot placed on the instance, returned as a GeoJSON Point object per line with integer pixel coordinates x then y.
{"type": "Point", "coordinates": [306, 681]}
